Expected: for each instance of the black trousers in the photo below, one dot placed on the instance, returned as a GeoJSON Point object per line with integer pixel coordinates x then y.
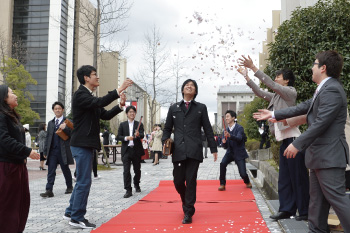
{"type": "Point", "coordinates": [186, 171]}
{"type": "Point", "coordinates": [242, 169]}
{"type": "Point", "coordinates": [129, 158]}
{"type": "Point", "coordinates": [293, 182]}
{"type": "Point", "coordinates": [55, 158]}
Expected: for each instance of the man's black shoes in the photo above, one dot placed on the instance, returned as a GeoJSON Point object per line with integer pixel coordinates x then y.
{"type": "Point", "coordinates": [48, 193]}
{"type": "Point", "coordinates": [187, 219]}
{"type": "Point", "coordinates": [137, 189]}
{"type": "Point", "coordinates": [301, 217]}
{"type": "Point", "coordinates": [128, 194]}
{"type": "Point", "coordinates": [280, 215]}
{"type": "Point", "coordinates": [68, 190]}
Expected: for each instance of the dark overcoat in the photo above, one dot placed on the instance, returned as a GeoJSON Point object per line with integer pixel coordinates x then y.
{"type": "Point", "coordinates": [187, 124]}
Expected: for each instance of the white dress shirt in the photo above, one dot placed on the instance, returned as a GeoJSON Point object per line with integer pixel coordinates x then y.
{"type": "Point", "coordinates": [131, 127]}
{"type": "Point", "coordinates": [59, 120]}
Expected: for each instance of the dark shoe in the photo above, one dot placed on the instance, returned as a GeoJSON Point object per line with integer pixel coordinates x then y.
{"type": "Point", "coordinates": [280, 215]}
{"type": "Point", "coordinates": [249, 185]}
{"type": "Point", "coordinates": [137, 189]}
{"type": "Point", "coordinates": [222, 188]}
{"type": "Point", "coordinates": [82, 224]}
{"type": "Point", "coordinates": [301, 217]}
{"type": "Point", "coordinates": [66, 216]}
{"type": "Point", "coordinates": [143, 161]}
{"type": "Point", "coordinates": [128, 194]}
{"type": "Point", "coordinates": [68, 190]}
{"type": "Point", "coordinates": [48, 193]}
{"type": "Point", "coordinates": [41, 168]}
{"type": "Point", "coordinates": [187, 220]}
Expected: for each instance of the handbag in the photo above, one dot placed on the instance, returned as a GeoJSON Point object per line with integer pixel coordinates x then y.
{"type": "Point", "coordinates": [168, 148]}
{"type": "Point", "coordinates": [61, 133]}
{"type": "Point", "coordinates": [151, 143]}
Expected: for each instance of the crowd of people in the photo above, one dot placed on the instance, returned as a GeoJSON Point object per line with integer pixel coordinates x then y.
{"type": "Point", "coordinates": [322, 148]}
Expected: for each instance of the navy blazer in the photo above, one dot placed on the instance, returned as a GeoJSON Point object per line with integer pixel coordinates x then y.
{"type": "Point", "coordinates": [65, 145]}
{"type": "Point", "coordinates": [235, 144]}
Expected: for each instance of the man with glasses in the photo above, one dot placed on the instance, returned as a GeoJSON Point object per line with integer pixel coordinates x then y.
{"type": "Point", "coordinates": [293, 180]}
{"type": "Point", "coordinates": [327, 151]}
{"type": "Point", "coordinates": [85, 138]}
{"type": "Point", "coordinates": [132, 149]}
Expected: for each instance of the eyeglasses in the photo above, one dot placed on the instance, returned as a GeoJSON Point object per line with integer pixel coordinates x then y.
{"type": "Point", "coordinates": [316, 63]}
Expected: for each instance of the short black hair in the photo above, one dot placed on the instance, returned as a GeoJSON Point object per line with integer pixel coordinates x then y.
{"type": "Point", "coordinates": [84, 71]}
{"type": "Point", "coordinates": [184, 84]}
{"type": "Point", "coordinates": [130, 107]}
{"type": "Point", "coordinates": [333, 61]}
{"type": "Point", "coordinates": [57, 103]}
{"type": "Point", "coordinates": [287, 74]}
{"type": "Point", "coordinates": [232, 113]}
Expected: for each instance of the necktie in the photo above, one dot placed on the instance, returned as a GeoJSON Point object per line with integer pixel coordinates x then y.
{"type": "Point", "coordinates": [56, 123]}
{"type": "Point", "coordinates": [187, 104]}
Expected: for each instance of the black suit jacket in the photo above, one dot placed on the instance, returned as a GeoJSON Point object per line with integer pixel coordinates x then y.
{"type": "Point", "coordinates": [187, 125]}
{"type": "Point", "coordinates": [87, 112]}
{"type": "Point", "coordinates": [65, 145]}
{"type": "Point", "coordinates": [123, 132]}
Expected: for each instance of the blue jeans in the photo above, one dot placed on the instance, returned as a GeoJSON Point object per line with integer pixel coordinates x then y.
{"type": "Point", "coordinates": [78, 200]}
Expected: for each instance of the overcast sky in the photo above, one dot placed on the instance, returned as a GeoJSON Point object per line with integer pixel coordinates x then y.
{"type": "Point", "coordinates": [209, 35]}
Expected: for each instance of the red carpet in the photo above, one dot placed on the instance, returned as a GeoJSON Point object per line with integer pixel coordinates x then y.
{"type": "Point", "coordinates": [233, 210]}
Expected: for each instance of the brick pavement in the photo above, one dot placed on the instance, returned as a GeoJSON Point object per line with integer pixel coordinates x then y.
{"type": "Point", "coordinates": [106, 195]}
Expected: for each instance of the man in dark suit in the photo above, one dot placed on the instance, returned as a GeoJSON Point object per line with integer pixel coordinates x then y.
{"type": "Point", "coordinates": [234, 141]}
{"type": "Point", "coordinates": [57, 151]}
{"type": "Point", "coordinates": [87, 112]}
{"type": "Point", "coordinates": [187, 117]}
{"type": "Point", "coordinates": [132, 150]}
{"type": "Point", "coordinates": [105, 137]}
{"type": "Point", "coordinates": [327, 152]}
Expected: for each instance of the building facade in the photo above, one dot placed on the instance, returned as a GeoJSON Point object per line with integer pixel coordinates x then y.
{"type": "Point", "coordinates": [232, 98]}
{"type": "Point", "coordinates": [43, 27]}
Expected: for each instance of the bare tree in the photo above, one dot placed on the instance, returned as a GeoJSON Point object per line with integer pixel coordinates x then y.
{"type": "Point", "coordinates": [154, 76]}
{"type": "Point", "coordinates": [102, 24]}
{"type": "Point", "coordinates": [12, 48]}
{"type": "Point", "coordinates": [177, 68]}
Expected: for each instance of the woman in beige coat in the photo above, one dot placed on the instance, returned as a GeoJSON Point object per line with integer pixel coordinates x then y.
{"type": "Point", "coordinates": [157, 143]}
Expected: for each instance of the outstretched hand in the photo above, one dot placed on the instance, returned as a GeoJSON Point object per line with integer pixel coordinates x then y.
{"type": "Point", "coordinates": [127, 83]}
{"type": "Point", "coordinates": [263, 114]}
{"type": "Point", "coordinates": [246, 62]}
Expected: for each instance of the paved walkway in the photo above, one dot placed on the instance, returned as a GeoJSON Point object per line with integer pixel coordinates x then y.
{"type": "Point", "coordinates": [106, 195]}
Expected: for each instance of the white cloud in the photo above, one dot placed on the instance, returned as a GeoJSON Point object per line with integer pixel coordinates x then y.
{"type": "Point", "coordinates": [241, 22]}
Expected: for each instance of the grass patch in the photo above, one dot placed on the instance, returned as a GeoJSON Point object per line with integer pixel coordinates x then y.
{"type": "Point", "coordinates": [101, 167]}
{"type": "Point", "coordinates": [273, 164]}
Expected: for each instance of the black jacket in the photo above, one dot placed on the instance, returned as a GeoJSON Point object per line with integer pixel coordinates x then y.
{"type": "Point", "coordinates": [187, 130]}
{"type": "Point", "coordinates": [12, 141]}
{"type": "Point", "coordinates": [123, 131]}
{"type": "Point", "coordinates": [65, 145]}
{"type": "Point", "coordinates": [87, 112]}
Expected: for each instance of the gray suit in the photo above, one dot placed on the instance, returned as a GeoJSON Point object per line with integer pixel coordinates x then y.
{"type": "Point", "coordinates": [326, 153]}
